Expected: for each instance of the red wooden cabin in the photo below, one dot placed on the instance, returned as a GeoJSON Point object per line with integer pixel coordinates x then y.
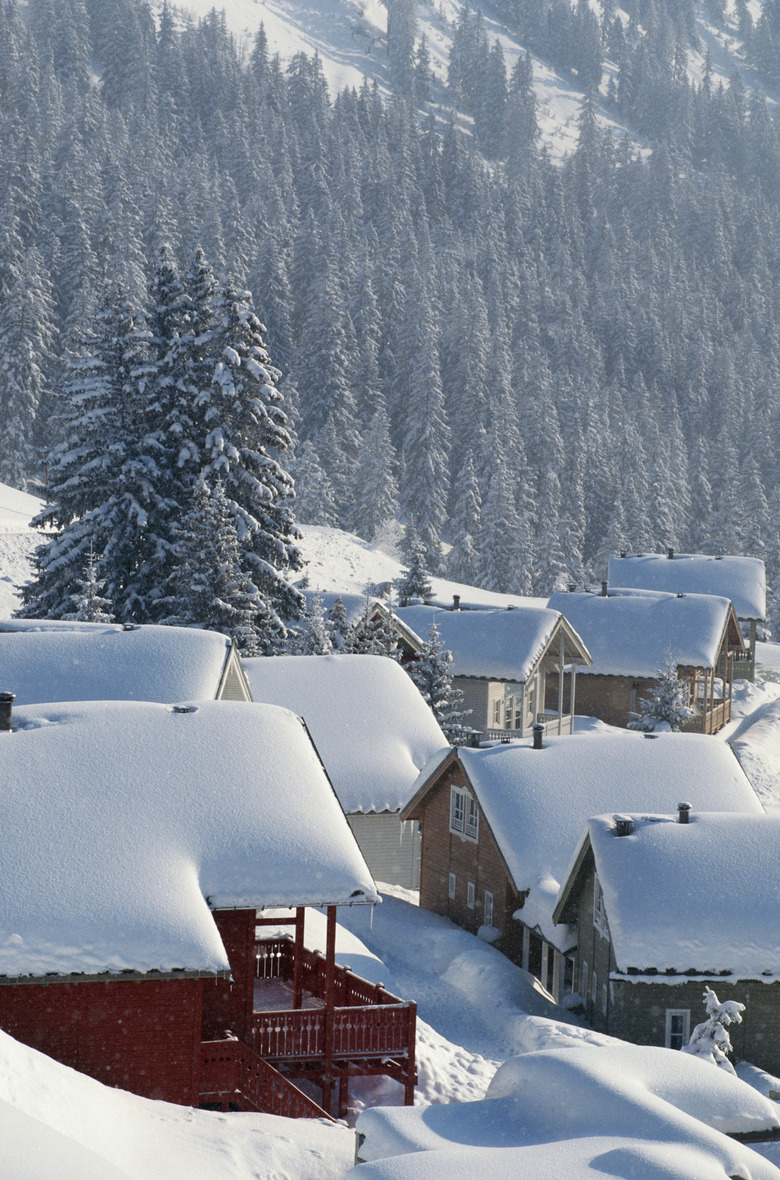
{"type": "Point", "coordinates": [142, 847]}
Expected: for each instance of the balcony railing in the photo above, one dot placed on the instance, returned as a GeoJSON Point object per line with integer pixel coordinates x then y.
{"type": "Point", "coordinates": [548, 720]}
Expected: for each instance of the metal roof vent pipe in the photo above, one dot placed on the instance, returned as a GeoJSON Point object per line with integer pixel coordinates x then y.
{"type": "Point", "coordinates": [6, 711]}
{"type": "Point", "coordinates": [624, 825]}
{"type": "Point", "coordinates": [604, 589]}
{"type": "Point", "coordinates": [683, 813]}
{"type": "Point", "coordinates": [538, 731]}
{"type": "Point", "coordinates": [456, 602]}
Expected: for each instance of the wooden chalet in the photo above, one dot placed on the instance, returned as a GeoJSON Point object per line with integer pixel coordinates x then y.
{"type": "Point", "coordinates": [664, 905]}
{"type": "Point", "coordinates": [631, 634]}
{"type": "Point", "coordinates": [740, 579]}
{"type": "Point", "coordinates": [502, 661]}
{"type": "Point", "coordinates": [145, 849]}
{"type": "Point", "coordinates": [500, 824]}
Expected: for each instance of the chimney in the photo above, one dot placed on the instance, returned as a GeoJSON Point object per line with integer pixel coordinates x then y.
{"type": "Point", "coordinates": [571, 587]}
{"type": "Point", "coordinates": [624, 554]}
{"type": "Point", "coordinates": [670, 553]}
{"type": "Point", "coordinates": [538, 731]}
{"type": "Point", "coordinates": [604, 589]}
{"type": "Point", "coordinates": [6, 711]}
{"type": "Point", "coordinates": [624, 825]}
{"type": "Point", "coordinates": [456, 602]}
{"type": "Point", "coordinates": [683, 813]}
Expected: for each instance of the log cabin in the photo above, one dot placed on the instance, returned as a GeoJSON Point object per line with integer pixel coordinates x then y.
{"type": "Point", "coordinates": [500, 824]}
{"type": "Point", "coordinates": [502, 661]}
{"type": "Point", "coordinates": [632, 633]}
{"type": "Point", "coordinates": [664, 905]}
{"type": "Point", "coordinates": [740, 579]}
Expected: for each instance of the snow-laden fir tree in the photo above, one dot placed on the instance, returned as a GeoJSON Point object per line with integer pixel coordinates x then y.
{"type": "Point", "coordinates": [371, 633]}
{"type": "Point", "coordinates": [315, 501]}
{"type": "Point", "coordinates": [91, 606]}
{"type": "Point", "coordinates": [667, 703]}
{"type": "Point", "coordinates": [432, 673]}
{"type": "Point", "coordinates": [710, 1040]}
{"type": "Point", "coordinates": [313, 635]}
{"type": "Point", "coordinates": [209, 586]}
{"type": "Point", "coordinates": [414, 584]}
{"type": "Point", "coordinates": [337, 622]}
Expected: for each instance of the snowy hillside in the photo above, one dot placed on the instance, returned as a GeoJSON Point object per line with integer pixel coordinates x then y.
{"type": "Point", "coordinates": [350, 37]}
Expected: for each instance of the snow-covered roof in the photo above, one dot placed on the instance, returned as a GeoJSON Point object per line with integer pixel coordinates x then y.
{"type": "Point", "coordinates": [631, 633]}
{"type": "Point", "coordinates": [740, 579]}
{"type": "Point", "coordinates": [756, 744]}
{"type": "Point", "coordinates": [355, 606]}
{"type": "Point", "coordinates": [702, 895]}
{"type": "Point", "coordinates": [537, 801]}
{"type": "Point", "coordinates": [368, 721]}
{"type": "Point", "coordinates": [494, 644]}
{"type": "Point", "coordinates": [41, 660]}
{"type": "Point", "coordinates": [124, 823]}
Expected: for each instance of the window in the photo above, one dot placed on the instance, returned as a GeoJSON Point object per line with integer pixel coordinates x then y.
{"type": "Point", "coordinates": [584, 981]}
{"type": "Point", "coordinates": [472, 818]}
{"type": "Point", "coordinates": [464, 814]}
{"type": "Point", "coordinates": [498, 719]}
{"type": "Point", "coordinates": [488, 914]}
{"type": "Point", "coordinates": [567, 986]}
{"type": "Point", "coordinates": [678, 1027]}
{"type": "Point", "coordinates": [457, 810]}
{"type": "Point", "coordinates": [470, 895]}
{"type": "Point", "coordinates": [451, 886]}
{"type": "Point", "coordinates": [599, 913]}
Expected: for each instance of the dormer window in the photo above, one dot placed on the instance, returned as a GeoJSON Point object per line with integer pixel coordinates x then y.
{"type": "Point", "coordinates": [464, 814]}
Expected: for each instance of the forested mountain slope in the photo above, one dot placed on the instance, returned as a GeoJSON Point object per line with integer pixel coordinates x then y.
{"type": "Point", "coordinates": [538, 357]}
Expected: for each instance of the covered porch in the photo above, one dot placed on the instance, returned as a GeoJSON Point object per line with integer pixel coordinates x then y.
{"type": "Point", "coordinates": [312, 1022]}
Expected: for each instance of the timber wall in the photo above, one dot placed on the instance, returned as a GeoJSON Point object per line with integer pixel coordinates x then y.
{"type": "Point", "coordinates": [141, 1035]}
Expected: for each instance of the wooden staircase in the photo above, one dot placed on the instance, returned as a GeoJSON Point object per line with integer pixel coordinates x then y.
{"type": "Point", "coordinates": [234, 1077]}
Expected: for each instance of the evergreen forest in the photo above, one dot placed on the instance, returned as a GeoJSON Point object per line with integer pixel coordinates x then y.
{"type": "Point", "coordinates": [537, 363]}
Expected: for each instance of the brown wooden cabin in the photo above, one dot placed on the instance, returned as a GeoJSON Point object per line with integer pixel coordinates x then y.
{"type": "Point", "coordinates": [630, 635]}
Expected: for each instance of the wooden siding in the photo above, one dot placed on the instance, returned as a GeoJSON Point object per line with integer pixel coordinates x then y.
{"type": "Point", "coordinates": [391, 849]}
{"type": "Point", "coordinates": [142, 1035]}
{"type": "Point", "coordinates": [445, 852]}
{"type": "Point", "coordinates": [477, 697]}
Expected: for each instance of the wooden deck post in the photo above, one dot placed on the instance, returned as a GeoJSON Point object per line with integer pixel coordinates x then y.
{"type": "Point", "coordinates": [411, 1062]}
{"type": "Point", "coordinates": [330, 971]}
{"type": "Point", "coordinates": [300, 917]}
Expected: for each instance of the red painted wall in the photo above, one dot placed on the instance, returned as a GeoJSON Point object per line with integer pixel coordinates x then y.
{"type": "Point", "coordinates": [225, 1005]}
{"type": "Point", "coordinates": [140, 1035]}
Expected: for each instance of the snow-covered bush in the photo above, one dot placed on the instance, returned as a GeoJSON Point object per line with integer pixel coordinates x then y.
{"type": "Point", "coordinates": [667, 703]}
{"type": "Point", "coordinates": [710, 1039]}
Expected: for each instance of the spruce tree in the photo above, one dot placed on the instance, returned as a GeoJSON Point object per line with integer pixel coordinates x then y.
{"type": "Point", "coordinates": [414, 583]}
{"type": "Point", "coordinates": [432, 673]}
{"type": "Point", "coordinates": [91, 606]}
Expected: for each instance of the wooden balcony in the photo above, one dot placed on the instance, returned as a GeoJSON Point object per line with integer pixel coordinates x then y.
{"type": "Point", "coordinates": [364, 1029]}
{"type": "Point", "coordinates": [548, 719]}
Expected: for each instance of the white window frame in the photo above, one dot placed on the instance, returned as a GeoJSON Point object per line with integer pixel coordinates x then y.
{"type": "Point", "coordinates": [464, 815]}
{"type": "Point", "coordinates": [686, 1029]}
{"type": "Point", "coordinates": [487, 916]}
{"type": "Point", "coordinates": [451, 886]}
{"type": "Point", "coordinates": [599, 913]}
{"type": "Point", "coordinates": [471, 895]}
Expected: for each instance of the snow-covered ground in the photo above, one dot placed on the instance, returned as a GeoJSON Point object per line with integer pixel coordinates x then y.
{"type": "Point", "coordinates": [570, 1102]}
